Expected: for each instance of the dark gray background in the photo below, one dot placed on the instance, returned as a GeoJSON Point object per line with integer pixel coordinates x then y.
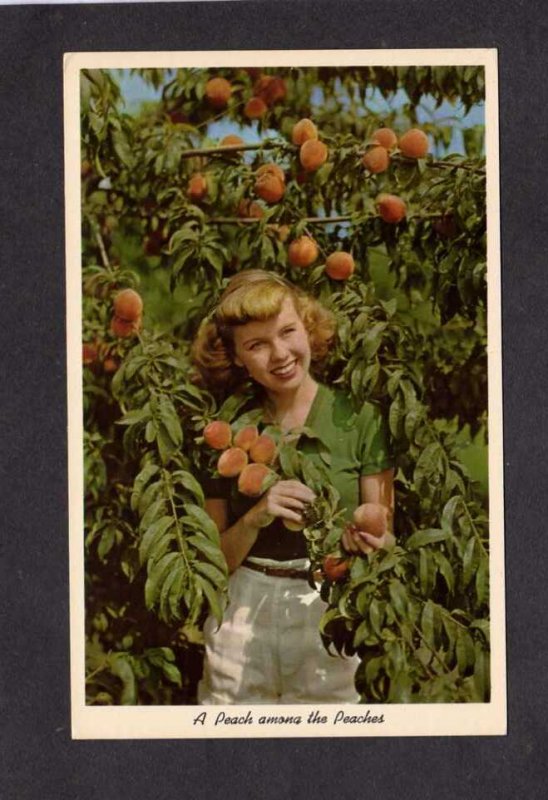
{"type": "Point", "coordinates": [38, 758]}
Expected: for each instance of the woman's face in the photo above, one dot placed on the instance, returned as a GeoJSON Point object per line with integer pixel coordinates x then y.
{"type": "Point", "coordinates": [276, 352]}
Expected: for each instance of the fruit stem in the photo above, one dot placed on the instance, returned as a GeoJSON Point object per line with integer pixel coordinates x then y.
{"type": "Point", "coordinates": [100, 243]}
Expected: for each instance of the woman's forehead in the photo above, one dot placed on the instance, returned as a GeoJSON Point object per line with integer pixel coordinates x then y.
{"type": "Point", "coordinates": [287, 313]}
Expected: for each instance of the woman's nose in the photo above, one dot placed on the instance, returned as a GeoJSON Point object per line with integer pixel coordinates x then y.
{"type": "Point", "coordinates": [278, 350]}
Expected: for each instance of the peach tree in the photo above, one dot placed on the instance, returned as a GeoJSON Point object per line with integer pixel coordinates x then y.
{"type": "Point", "coordinates": [341, 180]}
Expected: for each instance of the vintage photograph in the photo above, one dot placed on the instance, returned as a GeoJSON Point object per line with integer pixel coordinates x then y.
{"type": "Point", "coordinates": [285, 412]}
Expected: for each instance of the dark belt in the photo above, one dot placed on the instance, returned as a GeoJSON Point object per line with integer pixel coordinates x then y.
{"type": "Point", "coordinates": [280, 572]}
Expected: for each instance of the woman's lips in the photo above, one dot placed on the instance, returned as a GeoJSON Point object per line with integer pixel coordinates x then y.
{"type": "Point", "coordinates": [285, 372]}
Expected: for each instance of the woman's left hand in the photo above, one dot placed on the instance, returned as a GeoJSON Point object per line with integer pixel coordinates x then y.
{"type": "Point", "coordinates": [355, 541]}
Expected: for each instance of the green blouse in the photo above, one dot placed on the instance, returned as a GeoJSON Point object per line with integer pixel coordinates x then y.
{"type": "Point", "coordinates": [358, 445]}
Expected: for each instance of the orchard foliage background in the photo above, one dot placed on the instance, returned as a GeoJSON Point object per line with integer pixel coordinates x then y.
{"type": "Point", "coordinates": [169, 212]}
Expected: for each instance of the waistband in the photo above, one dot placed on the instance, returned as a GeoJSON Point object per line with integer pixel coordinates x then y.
{"type": "Point", "coordinates": [281, 572]}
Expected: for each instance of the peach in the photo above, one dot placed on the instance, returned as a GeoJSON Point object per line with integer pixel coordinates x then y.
{"type": "Point", "coordinates": [231, 462]}
{"type": "Point", "coordinates": [197, 187]}
{"type": "Point", "coordinates": [371, 518]}
{"type": "Point", "coordinates": [414, 143]}
{"type": "Point", "coordinates": [376, 159]}
{"type": "Point", "coordinates": [249, 208]}
{"type": "Point", "coordinates": [312, 155]}
{"type": "Point", "coordinates": [335, 567]}
{"type": "Point", "coordinates": [303, 131]}
{"type": "Point", "coordinates": [218, 434]}
{"type": "Point", "coordinates": [252, 479]}
{"type": "Point", "coordinates": [89, 353]}
{"type": "Point", "coordinates": [218, 91]}
{"type": "Point", "coordinates": [123, 328]}
{"type": "Point", "coordinates": [269, 188]}
{"type": "Point", "coordinates": [231, 139]}
{"type": "Point", "coordinates": [128, 305]}
{"type": "Point", "coordinates": [246, 437]}
{"type": "Point", "coordinates": [391, 207]}
{"type": "Point", "coordinates": [263, 451]}
{"type": "Point", "coordinates": [302, 252]}
{"type": "Point", "coordinates": [385, 137]}
{"type": "Point", "coordinates": [270, 169]}
{"type": "Point", "coordinates": [339, 266]}
{"type": "Point", "coordinates": [255, 108]}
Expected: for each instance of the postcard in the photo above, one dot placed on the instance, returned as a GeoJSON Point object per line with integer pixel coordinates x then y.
{"type": "Point", "coordinates": [284, 394]}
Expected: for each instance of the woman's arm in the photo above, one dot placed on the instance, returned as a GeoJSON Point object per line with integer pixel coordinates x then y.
{"type": "Point", "coordinates": [285, 499]}
{"type": "Point", "coordinates": [377, 488]}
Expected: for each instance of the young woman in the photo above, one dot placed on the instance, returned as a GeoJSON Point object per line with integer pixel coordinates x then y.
{"type": "Point", "coordinates": [268, 648]}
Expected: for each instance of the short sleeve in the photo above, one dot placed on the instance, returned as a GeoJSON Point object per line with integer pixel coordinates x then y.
{"type": "Point", "coordinates": [214, 488]}
{"type": "Point", "coordinates": [374, 443]}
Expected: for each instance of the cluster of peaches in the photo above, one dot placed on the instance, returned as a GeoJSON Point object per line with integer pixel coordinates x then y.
{"type": "Point", "coordinates": [270, 184]}
{"type": "Point", "coordinates": [245, 455]}
{"type": "Point", "coordinates": [126, 321]}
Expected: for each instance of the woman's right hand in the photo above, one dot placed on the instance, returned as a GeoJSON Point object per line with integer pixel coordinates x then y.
{"type": "Point", "coordinates": [286, 499]}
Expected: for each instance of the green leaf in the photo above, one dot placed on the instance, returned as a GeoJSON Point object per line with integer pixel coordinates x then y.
{"type": "Point", "coordinates": [427, 623]}
{"type": "Point", "coordinates": [190, 483]}
{"type": "Point", "coordinates": [157, 575]}
{"type": "Point", "coordinates": [398, 595]}
{"type": "Point", "coordinates": [212, 597]}
{"type": "Point", "coordinates": [202, 521]}
{"type": "Point", "coordinates": [153, 535]}
{"type": "Point", "coordinates": [148, 471]}
{"type": "Point", "coordinates": [121, 667]}
{"type": "Point", "coordinates": [428, 536]}
{"type": "Point", "coordinates": [217, 577]}
{"type": "Point", "coordinates": [449, 511]}
{"type": "Point", "coordinates": [376, 615]}
{"type": "Point", "coordinates": [469, 561]}
{"type": "Point", "coordinates": [464, 650]}
{"type": "Point", "coordinates": [170, 420]}
{"type": "Point", "coordinates": [211, 551]}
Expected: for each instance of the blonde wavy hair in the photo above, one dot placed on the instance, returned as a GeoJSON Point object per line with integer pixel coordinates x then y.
{"type": "Point", "coordinates": [254, 295]}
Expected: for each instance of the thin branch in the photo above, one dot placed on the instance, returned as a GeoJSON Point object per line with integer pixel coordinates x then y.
{"type": "Point", "coordinates": [233, 148]}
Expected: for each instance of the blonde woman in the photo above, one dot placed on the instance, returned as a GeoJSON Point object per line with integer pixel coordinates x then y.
{"type": "Point", "coordinates": [268, 648]}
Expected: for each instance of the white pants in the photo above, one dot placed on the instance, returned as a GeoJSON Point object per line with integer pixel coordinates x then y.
{"type": "Point", "coordinates": [268, 648]}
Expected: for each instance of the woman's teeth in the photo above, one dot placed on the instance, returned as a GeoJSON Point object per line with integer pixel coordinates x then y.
{"type": "Point", "coordinates": [286, 370]}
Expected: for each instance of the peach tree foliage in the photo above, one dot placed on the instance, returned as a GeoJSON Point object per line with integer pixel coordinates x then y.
{"type": "Point", "coordinates": [412, 337]}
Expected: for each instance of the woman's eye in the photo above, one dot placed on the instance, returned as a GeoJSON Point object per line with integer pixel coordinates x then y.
{"type": "Point", "coordinates": [287, 331]}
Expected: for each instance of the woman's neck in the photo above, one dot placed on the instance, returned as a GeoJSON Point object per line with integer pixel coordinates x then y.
{"type": "Point", "coordinates": [290, 409]}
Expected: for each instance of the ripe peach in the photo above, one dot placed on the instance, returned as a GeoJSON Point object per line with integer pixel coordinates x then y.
{"type": "Point", "coordinates": [385, 137]}
{"type": "Point", "coordinates": [263, 451]}
{"type": "Point", "coordinates": [270, 88]}
{"type": "Point", "coordinates": [414, 143]}
{"type": "Point", "coordinates": [218, 434]}
{"type": "Point", "coordinates": [246, 437]}
{"type": "Point", "coordinates": [372, 518]}
{"type": "Point", "coordinates": [391, 207]}
{"type": "Point", "coordinates": [128, 305]}
{"type": "Point", "coordinates": [110, 365]}
{"type": "Point", "coordinates": [376, 159]}
{"type": "Point", "coordinates": [89, 353]}
{"type": "Point", "coordinates": [339, 266]}
{"type": "Point", "coordinates": [270, 169]}
{"type": "Point", "coordinates": [218, 91]}
{"type": "Point", "coordinates": [231, 462]}
{"type": "Point", "coordinates": [123, 328]}
{"type": "Point", "coordinates": [231, 139]}
{"type": "Point", "coordinates": [313, 154]}
{"type": "Point", "coordinates": [335, 567]}
{"type": "Point", "coordinates": [197, 187]}
{"type": "Point", "coordinates": [303, 131]}
{"type": "Point", "coordinates": [302, 252]}
{"type": "Point", "coordinates": [252, 478]}
{"type": "Point", "coordinates": [269, 188]}
{"type": "Point", "coordinates": [255, 108]}
{"type": "Point", "coordinates": [249, 208]}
